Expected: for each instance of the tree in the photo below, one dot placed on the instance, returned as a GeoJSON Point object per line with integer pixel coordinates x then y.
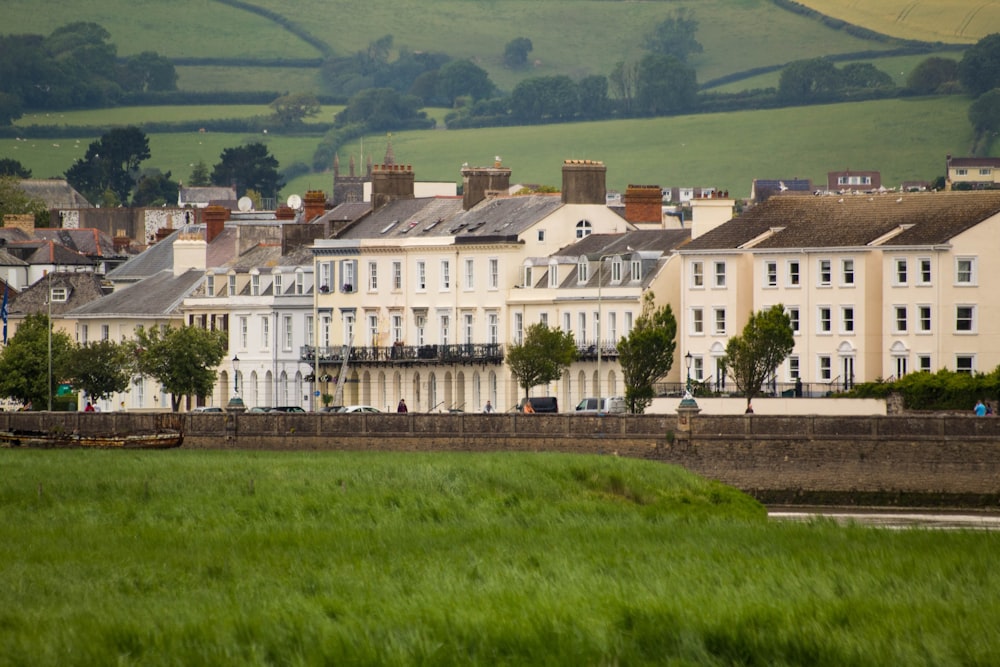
{"type": "Point", "coordinates": [248, 167]}
{"type": "Point", "coordinates": [15, 201]}
{"type": "Point", "coordinates": [155, 189]}
{"type": "Point", "coordinates": [864, 75]}
{"type": "Point", "coordinates": [199, 175]}
{"type": "Point", "coordinates": [933, 75]}
{"type": "Point", "coordinates": [291, 110]}
{"type": "Point", "coordinates": [753, 356]}
{"type": "Point", "coordinates": [984, 114]}
{"type": "Point", "coordinates": [547, 98]}
{"type": "Point", "coordinates": [623, 80]}
{"type": "Point", "coordinates": [808, 80]}
{"type": "Point", "coordinates": [10, 108]}
{"type": "Point", "coordinates": [111, 163]}
{"type": "Point", "coordinates": [182, 359]}
{"type": "Point", "coordinates": [24, 362]}
{"type": "Point", "coordinates": [647, 353]}
{"type": "Point", "coordinates": [148, 71]}
{"type": "Point", "coordinates": [515, 54]}
{"type": "Point", "coordinates": [674, 36]}
{"type": "Point", "coordinates": [463, 77]}
{"type": "Point", "coordinates": [979, 69]}
{"type": "Point", "coordinates": [542, 357]}
{"type": "Point", "coordinates": [593, 94]}
{"type": "Point", "coordinates": [11, 167]}
{"type": "Point", "coordinates": [383, 109]}
{"type": "Point", "coordinates": [665, 85]}
{"type": "Point", "coordinates": [102, 368]}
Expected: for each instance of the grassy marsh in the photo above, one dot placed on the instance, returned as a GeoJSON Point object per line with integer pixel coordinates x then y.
{"type": "Point", "coordinates": [188, 557]}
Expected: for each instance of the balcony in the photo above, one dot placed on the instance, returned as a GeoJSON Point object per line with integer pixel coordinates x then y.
{"type": "Point", "coordinates": [588, 351]}
{"type": "Point", "coordinates": [392, 355]}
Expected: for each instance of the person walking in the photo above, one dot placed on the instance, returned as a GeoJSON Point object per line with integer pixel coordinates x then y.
{"type": "Point", "coordinates": [488, 408]}
{"type": "Point", "coordinates": [528, 409]}
{"type": "Point", "coordinates": [402, 406]}
{"type": "Point", "coordinates": [980, 408]}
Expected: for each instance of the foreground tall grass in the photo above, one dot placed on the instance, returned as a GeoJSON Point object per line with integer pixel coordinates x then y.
{"type": "Point", "coordinates": [227, 558]}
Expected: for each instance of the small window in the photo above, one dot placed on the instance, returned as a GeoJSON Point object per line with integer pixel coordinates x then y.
{"type": "Point", "coordinates": [616, 270]}
{"type": "Point", "coordinates": [697, 274]}
{"type": "Point", "coordinates": [900, 321]}
{"type": "Point", "coordinates": [697, 321]}
{"type": "Point", "coordinates": [421, 276]}
{"type": "Point", "coordinates": [583, 228]}
{"type": "Point", "coordinates": [794, 372]}
{"type": "Point", "coordinates": [965, 271]}
{"type": "Point", "coordinates": [494, 273]}
{"type": "Point", "coordinates": [847, 271]}
{"type": "Point", "coordinates": [847, 319]}
{"type": "Point", "coordinates": [924, 317]}
{"type": "Point", "coordinates": [255, 284]}
{"type": "Point", "coordinates": [925, 271]}
{"type": "Point", "coordinates": [793, 315]}
{"type": "Point", "coordinates": [825, 325]}
{"type": "Point", "coordinates": [373, 276]}
{"type": "Point", "coordinates": [582, 271]}
{"type": "Point", "coordinates": [276, 279]}
{"type": "Point", "coordinates": [965, 319]}
{"type": "Point", "coordinates": [445, 275]}
{"type": "Point", "coordinates": [793, 273]}
{"type": "Point", "coordinates": [901, 274]}
{"type": "Point", "coordinates": [397, 276]}
{"type": "Point", "coordinates": [210, 285]}
{"type": "Point", "coordinates": [60, 295]}
{"type": "Point", "coordinates": [720, 321]}
{"type": "Point", "coordinates": [825, 272]}
{"type": "Point", "coordinates": [541, 234]}
{"type": "Point", "coordinates": [636, 270]}
{"type": "Point", "coordinates": [965, 363]}
{"type": "Point", "coordinates": [771, 273]}
{"type": "Point", "coordinates": [924, 363]}
{"type": "Point", "coordinates": [825, 368]}
{"type": "Point", "coordinates": [720, 274]}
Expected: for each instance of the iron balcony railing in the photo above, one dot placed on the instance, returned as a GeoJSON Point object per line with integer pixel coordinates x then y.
{"type": "Point", "coordinates": [461, 353]}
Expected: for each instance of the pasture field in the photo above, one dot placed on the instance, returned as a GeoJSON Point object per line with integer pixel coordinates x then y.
{"type": "Point", "coordinates": [951, 21]}
{"type": "Point", "coordinates": [253, 558]}
{"type": "Point", "coordinates": [905, 139]}
{"type": "Point", "coordinates": [572, 37]}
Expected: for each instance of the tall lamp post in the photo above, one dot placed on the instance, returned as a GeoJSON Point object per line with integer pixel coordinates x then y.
{"type": "Point", "coordinates": [688, 359]}
{"type": "Point", "coordinates": [236, 403]}
{"type": "Point", "coordinates": [688, 405]}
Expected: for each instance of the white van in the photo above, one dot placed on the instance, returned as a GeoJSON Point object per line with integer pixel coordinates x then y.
{"type": "Point", "coordinates": [611, 405]}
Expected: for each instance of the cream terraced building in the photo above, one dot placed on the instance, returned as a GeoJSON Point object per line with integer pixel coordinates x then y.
{"type": "Point", "coordinates": [877, 285]}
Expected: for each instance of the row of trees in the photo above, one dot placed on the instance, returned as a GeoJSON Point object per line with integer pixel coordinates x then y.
{"type": "Point", "coordinates": [647, 353]}
{"type": "Point", "coordinates": [109, 173]}
{"type": "Point", "coordinates": [75, 66]}
{"type": "Point", "coordinates": [182, 360]}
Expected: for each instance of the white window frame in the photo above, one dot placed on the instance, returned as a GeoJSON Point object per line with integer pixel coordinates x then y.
{"type": "Point", "coordinates": [848, 274]}
{"type": "Point", "coordinates": [959, 318]}
{"type": "Point", "coordinates": [770, 273]}
{"type": "Point", "coordinates": [925, 318]}
{"type": "Point", "coordinates": [494, 273]}
{"type": "Point", "coordinates": [925, 268]}
{"type": "Point", "coordinates": [900, 319]}
{"type": "Point", "coordinates": [824, 320]}
{"type": "Point", "coordinates": [848, 321]}
{"type": "Point", "coordinates": [824, 273]}
{"type": "Point", "coordinates": [794, 273]}
{"type": "Point", "coordinates": [445, 275]}
{"type": "Point", "coordinates": [470, 274]}
{"type": "Point", "coordinates": [719, 321]}
{"type": "Point", "coordinates": [697, 322]}
{"type": "Point", "coordinates": [421, 275]}
{"type": "Point", "coordinates": [372, 276]}
{"type": "Point", "coordinates": [697, 275]}
{"type": "Point", "coordinates": [794, 317]}
{"type": "Point", "coordinates": [719, 274]}
{"type": "Point", "coordinates": [961, 270]}
{"type": "Point", "coordinates": [900, 271]}
{"type": "Point", "coordinates": [397, 276]}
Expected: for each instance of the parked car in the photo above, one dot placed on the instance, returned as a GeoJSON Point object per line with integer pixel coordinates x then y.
{"type": "Point", "coordinates": [260, 408]}
{"type": "Point", "coordinates": [331, 408]}
{"type": "Point", "coordinates": [610, 405]}
{"type": "Point", "coordinates": [541, 404]}
{"type": "Point", "coordinates": [358, 408]}
{"type": "Point", "coordinates": [207, 408]}
{"type": "Point", "coordinates": [287, 408]}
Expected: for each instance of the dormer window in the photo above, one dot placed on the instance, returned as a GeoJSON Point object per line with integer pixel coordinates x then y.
{"type": "Point", "coordinates": [60, 295]}
{"type": "Point", "coordinates": [255, 284]}
{"type": "Point", "coordinates": [616, 270]}
{"type": "Point", "coordinates": [232, 284]}
{"type": "Point", "coordinates": [582, 270]}
{"type": "Point", "coordinates": [300, 282]}
{"type": "Point", "coordinates": [277, 283]}
{"type": "Point", "coordinates": [636, 270]}
{"type": "Point", "coordinates": [210, 285]}
{"type": "Point", "coordinates": [553, 275]}
{"type": "Point", "coordinates": [583, 228]}
{"type": "Point", "coordinates": [527, 276]}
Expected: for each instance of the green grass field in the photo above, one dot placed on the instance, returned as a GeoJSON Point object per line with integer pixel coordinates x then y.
{"type": "Point", "coordinates": [253, 558]}
{"type": "Point", "coordinates": [904, 139]}
{"type": "Point", "coordinates": [574, 37]}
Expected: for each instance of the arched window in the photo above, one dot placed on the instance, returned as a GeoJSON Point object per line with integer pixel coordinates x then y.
{"type": "Point", "coordinates": [583, 228]}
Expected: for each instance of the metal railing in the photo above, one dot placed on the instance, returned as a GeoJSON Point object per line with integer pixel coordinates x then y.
{"type": "Point", "coordinates": [467, 353]}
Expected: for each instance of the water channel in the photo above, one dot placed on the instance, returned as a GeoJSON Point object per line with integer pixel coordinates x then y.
{"type": "Point", "coordinates": [892, 518]}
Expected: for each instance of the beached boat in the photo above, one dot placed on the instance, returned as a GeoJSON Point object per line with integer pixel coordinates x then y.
{"type": "Point", "coordinates": [162, 440]}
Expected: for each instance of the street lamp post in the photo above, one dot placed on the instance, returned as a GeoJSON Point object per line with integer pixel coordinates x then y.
{"type": "Point", "coordinates": [688, 359]}
{"type": "Point", "coordinates": [236, 403]}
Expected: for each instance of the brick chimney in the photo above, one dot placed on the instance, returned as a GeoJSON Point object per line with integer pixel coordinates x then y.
{"type": "Point", "coordinates": [644, 203]}
{"type": "Point", "coordinates": [284, 212]}
{"type": "Point", "coordinates": [584, 182]}
{"type": "Point", "coordinates": [313, 205]}
{"type": "Point", "coordinates": [214, 218]}
{"type": "Point", "coordinates": [391, 182]}
{"type": "Point", "coordinates": [481, 182]}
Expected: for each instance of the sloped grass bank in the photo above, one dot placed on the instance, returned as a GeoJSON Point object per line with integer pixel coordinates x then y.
{"type": "Point", "coordinates": [237, 558]}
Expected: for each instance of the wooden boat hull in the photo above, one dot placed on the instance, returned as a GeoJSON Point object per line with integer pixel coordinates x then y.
{"type": "Point", "coordinates": [77, 441]}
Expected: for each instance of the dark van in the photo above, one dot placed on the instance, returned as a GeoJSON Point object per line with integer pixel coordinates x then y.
{"type": "Point", "coordinates": [541, 404]}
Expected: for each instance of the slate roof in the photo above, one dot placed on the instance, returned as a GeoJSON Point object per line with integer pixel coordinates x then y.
{"type": "Point", "coordinates": [159, 295]}
{"type": "Point", "coordinates": [90, 242]}
{"type": "Point", "coordinates": [501, 217]}
{"type": "Point", "coordinates": [595, 246]}
{"type": "Point", "coordinates": [56, 193]}
{"type": "Point", "coordinates": [205, 195]}
{"type": "Point", "coordinates": [974, 162]}
{"type": "Point", "coordinates": [158, 257]}
{"type": "Point", "coordinates": [852, 220]}
{"type": "Point", "coordinates": [41, 251]}
{"type": "Point", "coordinates": [82, 288]}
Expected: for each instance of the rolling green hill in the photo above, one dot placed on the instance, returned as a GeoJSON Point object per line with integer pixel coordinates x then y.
{"type": "Point", "coordinates": [574, 37]}
{"type": "Point", "coordinates": [904, 139]}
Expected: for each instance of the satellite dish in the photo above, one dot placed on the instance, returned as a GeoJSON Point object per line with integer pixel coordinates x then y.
{"type": "Point", "coordinates": [244, 204]}
{"type": "Point", "coordinates": [294, 201]}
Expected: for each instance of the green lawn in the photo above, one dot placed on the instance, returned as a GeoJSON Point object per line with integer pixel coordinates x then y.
{"type": "Point", "coordinates": [246, 558]}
